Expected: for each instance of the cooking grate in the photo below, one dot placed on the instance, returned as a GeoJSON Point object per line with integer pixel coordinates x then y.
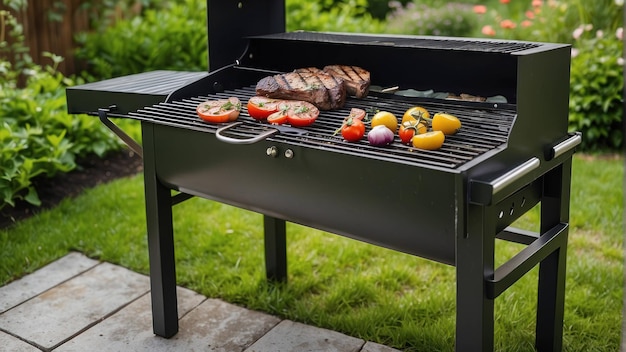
{"type": "Point", "coordinates": [483, 128]}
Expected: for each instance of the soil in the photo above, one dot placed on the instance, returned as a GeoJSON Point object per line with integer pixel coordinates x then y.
{"type": "Point", "coordinates": [91, 172]}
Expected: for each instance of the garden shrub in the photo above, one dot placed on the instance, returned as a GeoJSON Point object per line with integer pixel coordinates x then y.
{"type": "Point", "coordinates": [38, 138]}
{"type": "Point", "coordinates": [596, 81]}
{"type": "Point", "coordinates": [451, 19]}
{"type": "Point", "coordinates": [596, 92]}
{"type": "Point", "coordinates": [174, 38]}
{"type": "Point", "coordinates": [349, 16]}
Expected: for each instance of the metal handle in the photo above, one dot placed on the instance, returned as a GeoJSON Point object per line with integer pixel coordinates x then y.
{"type": "Point", "coordinates": [485, 192]}
{"type": "Point", "coordinates": [499, 183]}
{"type": "Point", "coordinates": [566, 145]}
{"type": "Point", "coordinates": [259, 137]}
{"type": "Point", "coordinates": [130, 142]}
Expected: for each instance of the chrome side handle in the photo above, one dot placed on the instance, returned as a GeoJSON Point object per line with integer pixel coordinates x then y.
{"type": "Point", "coordinates": [485, 191]}
{"type": "Point", "coordinates": [220, 136]}
{"type": "Point", "coordinates": [517, 173]}
{"type": "Point", "coordinates": [565, 146]}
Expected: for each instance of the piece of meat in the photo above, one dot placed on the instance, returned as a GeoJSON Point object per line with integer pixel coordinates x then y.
{"type": "Point", "coordinates": [321, 89]}
{"type": "Point", "coordinates": [357, 79]}
{"type": "Point", "coordinates": [308, 70]}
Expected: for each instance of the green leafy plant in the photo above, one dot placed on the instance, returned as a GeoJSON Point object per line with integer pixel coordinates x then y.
{"type": "Point", "coordinates": [452, 19]}
{"type": "Point", "coordinates": [349, 16]}
{"type": "Point", "coordinates": [597, 88]}
{"type": "Point", "coordinates": [37, 136]}
{"type": "Point", "coordinates": [149, 42]}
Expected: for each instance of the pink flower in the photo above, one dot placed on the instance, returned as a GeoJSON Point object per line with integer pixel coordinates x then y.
{"type": "Point", "coordinates": [505, 1]}
{"type": "Point", "coordinates": [599, 34]}
{"type": "Point", "coordinates": [507, 24]}
{"type": "Point", "coordinates": [619, 33]}
{"type": "Point", "coordinates": [530, 15]}
{"type": "Point", "coordinates": [577, 32]}
{"type": "Point", "coordinates": [526, 23]}
{"type": "Point", "coordinates": [488, 30]}
{"type": "Point", "coordinates": [480, 9]}
{"type": "Point", "coordinates": [537, 3]}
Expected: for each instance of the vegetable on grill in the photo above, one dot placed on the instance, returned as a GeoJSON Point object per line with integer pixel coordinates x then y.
{"type": "Point", "coordinates": [430, 140]}
{"type": "Point", "coordinates": [408, 129]}
{"type": "Point", "coordinates": [353, 129]}
{"type": "Point", "coordinates": [415, 113]}
{"type": "Point", "coordinates": [380, 135]}
{"type": "Point", "coordinates": [260, 108]}
{"type": "Point", "coordinates": [220, 110]}
{"type": "Point", "coordinates": [296, 113]}
{"type": "Point", "coordinates": [446, 123]}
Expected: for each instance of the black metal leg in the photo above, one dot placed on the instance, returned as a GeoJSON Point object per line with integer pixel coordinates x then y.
{"type": "Point", "coordinates": [160, 244]}
{"type": "Point", "coordinates": [552, 273]}
{"type": "Point", "coordinates": [275, 248]}
{"type": "Point", "coordinates": [475, 261]}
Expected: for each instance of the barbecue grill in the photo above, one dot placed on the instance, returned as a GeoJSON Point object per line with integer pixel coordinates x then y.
{"type": "Point", "coordinates": [512, 153]}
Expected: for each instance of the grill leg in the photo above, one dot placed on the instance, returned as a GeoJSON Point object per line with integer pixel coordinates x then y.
{"type": "Point", "coordinates": [551, 291]}
{"type": "Point", "coordinates": [474, 263]}
{"type": "Point", "coordinates": [160, 244]}
{"type": "Point", "coordinates": [275, 249]}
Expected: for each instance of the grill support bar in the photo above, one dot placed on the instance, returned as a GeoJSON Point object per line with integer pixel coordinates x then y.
{"type": "Point", "coordinates": [160, 243]}
{"type": "Point", "coordinates": [479, 283]}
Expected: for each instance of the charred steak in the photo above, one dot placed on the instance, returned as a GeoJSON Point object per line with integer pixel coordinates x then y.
{"type": "Point", "coordinates": [323, 90]}
{"type": "Point", "coordinates": [357, 79]}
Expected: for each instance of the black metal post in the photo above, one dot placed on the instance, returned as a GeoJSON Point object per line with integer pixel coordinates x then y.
{"type": "Point", "coordinates": [160, 243]}
{"type": "Point", "coordinates": [275, 248]}
{"type": "Point", "coordinates": [475, 263]}
{"type": "Point", "coordinates": [552, 273]}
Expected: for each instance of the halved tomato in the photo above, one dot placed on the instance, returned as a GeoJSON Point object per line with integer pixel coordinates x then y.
{"type": "Point", "coordinates": [356, 113]}
{"type": "Point", "coordinates": [278, 118]}
{"type": "Point", "coordinates": [301, 113]}
{"type": "Point", "coordinates": [219, 110]}
{"type": "Point", "coordinates": [260, 108]}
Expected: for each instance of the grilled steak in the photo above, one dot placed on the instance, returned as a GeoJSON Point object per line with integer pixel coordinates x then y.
{"type": "Point", "coordinates": [321, 89]}
{"type": "Point", "coordinates": [357, 79]}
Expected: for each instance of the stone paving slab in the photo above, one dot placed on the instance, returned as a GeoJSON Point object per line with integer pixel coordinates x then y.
{"type": "Point", "coordinates": [67, 309]}
{"type": "Point", "coordinates": [13, 344]}
{"type": "Point", "coordinates": [130, 329]}
{"type": "Point", "coordinates": [44, 279]}
{"type": "Point", "coordinates": [290, 336]}
{"type": "Point", "coordinates": [376, 347]}
{"type": "Point", "coordinates": [86, 305]}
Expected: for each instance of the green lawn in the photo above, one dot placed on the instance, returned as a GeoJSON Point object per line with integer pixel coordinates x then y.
{"type": "Point", "coordinates": [341, 284]}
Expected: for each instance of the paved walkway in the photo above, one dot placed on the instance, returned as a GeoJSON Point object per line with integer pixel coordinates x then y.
{"type": "Point", "coordinates": [80, 304]}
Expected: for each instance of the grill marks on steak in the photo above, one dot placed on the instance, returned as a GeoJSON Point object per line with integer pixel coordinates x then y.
{"type": "Point", "coordinates": [357, 79]}
{"type": "Point", "coordinates": [321, 89]}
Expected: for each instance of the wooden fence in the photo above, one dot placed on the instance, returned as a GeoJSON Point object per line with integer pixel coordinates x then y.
{"type": "Point", "coordinates": [51, 26]}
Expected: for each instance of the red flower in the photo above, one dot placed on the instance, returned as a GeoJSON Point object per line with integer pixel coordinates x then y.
{"type": "Point", "coordinates": [480, 9]}
{"type": "Point", "coordinates": [505, 1]}
{"type": "Point", "coordinates": [488, 30]}
{"type": "Point", "coordinates": [507, 24]}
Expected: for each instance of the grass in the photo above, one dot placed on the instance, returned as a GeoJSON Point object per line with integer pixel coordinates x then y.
{"type": "Point", "coordinates": [348, 286]}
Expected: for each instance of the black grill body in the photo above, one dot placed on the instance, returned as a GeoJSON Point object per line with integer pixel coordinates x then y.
{"type": "Point", "coordinates": [464, 196]}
